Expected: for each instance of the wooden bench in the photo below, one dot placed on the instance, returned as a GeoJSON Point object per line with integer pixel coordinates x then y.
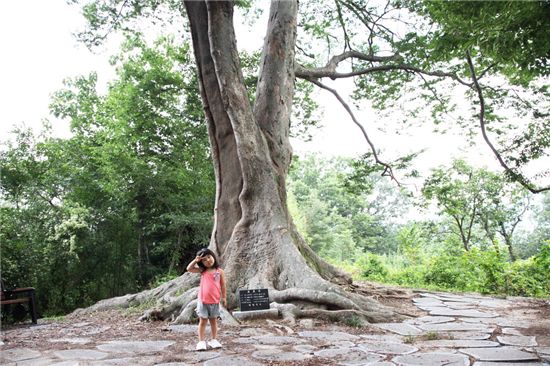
{"type": "Point", "coordinates": [23, 295]}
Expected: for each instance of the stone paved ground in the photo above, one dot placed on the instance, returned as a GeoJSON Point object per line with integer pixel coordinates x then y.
{"type": "Point", "coordinates": [453, 330]}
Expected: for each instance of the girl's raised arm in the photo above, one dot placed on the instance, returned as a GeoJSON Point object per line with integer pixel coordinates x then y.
{"type": "Point", "coordinates": [193, 267]}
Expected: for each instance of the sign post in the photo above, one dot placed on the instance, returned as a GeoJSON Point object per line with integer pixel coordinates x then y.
{"type": "Point", "coordinates": [257, 299]}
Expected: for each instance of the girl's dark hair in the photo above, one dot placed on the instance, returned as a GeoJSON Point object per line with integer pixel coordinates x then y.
{"type": "Point", "coordinates": [203, 252]}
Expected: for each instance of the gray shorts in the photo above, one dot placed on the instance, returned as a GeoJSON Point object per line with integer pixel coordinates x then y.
{"type": "Point", "coordinates": [207, 310]}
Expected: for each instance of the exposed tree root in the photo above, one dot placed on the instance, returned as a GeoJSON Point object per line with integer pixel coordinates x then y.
{"type": "Point", "coordinates": [331, 303]}
{"type": "Point", "coordinates": [168, 297]}
{"type": "Point", "coordinates": [170, 309]}
{"type": "Point", "coordinates": [291, 312]}
{"type": "Point", "coordinates": [335, 306]}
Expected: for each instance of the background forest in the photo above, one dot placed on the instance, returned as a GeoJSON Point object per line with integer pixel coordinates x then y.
{"type": "Point", "coordinates": [123, 203]}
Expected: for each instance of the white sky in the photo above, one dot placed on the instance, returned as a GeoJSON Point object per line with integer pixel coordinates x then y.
{"type": "Point", "coordinates": [39, 51]}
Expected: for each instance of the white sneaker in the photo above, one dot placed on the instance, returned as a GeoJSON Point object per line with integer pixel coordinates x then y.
{"type": "Point", "coordinates": [201, 346]}
{"type": "Point", "coordinates": [214, 343]}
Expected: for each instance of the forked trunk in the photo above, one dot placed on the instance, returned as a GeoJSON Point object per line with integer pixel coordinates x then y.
{"type": "Point", "coordinates": [253, 232]}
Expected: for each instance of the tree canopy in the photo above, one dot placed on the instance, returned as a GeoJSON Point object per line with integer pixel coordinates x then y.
{"type": "Point", "coordinates": [401, 52]}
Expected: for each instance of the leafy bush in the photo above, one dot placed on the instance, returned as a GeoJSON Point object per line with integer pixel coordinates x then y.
{"type": "Point", "coordinates": [476, 270]}
{"type": "Point", "coordinates": [443, 271]}
{"type": "Point", "coordinates": [161, 279]}
{"type": "Point", "coordinates": [371, 267]}
{"type": "Point", "coordinates": [530, 277]}
{"type": "Point", "coordinates": [411, 276]}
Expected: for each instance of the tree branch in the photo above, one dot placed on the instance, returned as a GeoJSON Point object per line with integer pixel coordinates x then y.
{"type": "Point", "coordinates": [329, 70]}
{"type": "Point", "coordinates": [387, 168]}
{"type": "Point", "coordinates": [486, 70]}
{"type": "Point", "coordinates": [347, 44]}
{"type": "Point", "coordinates": [48, 200]}
{"type": "Point", "coordinates": [99, 38]}
{"type": "Point", "coordinates": [367, 18]}
{"type": "Point", "coordinates": [434, 93]}
{"type": "Point", "coordinates": [518, 177]}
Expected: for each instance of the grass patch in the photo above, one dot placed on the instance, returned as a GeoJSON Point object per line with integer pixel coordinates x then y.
{"type": "Point", "coordinates": [432, 336]}
{"type": "Point", "coordinates": [55, 318]}
{"type": "Point", "coordinates": [138, 309]}
{"type": "Point", "coordinates": [354, 321]}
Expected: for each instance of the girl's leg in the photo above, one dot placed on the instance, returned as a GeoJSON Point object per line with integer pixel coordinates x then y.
{"type": "Point", "coordinates": [214, 327]}
{"type": "Point", "coordinates": [202, 328]}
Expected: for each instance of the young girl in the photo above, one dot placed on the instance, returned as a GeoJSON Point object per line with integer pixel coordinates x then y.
{"type": "Point", "coordinates": [211, 291]}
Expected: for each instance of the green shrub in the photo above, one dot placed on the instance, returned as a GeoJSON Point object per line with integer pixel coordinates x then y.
{"type": "Point", "coordinates": [522, 279]}
{"type": "Point", "coordinates": [371, 267]}
{"type": "Point", "coordinates": [530, 277]}
{"type": "Point", "coordinates": [443, 271]}
{"type": "Point", "coordinates": [476, 270]}
{"type": "Point", "coordinates": [412, 276]}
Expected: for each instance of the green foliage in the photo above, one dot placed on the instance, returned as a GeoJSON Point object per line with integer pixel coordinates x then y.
{"type": "Point", "coordinates": [410, 241]}
{"type": "Point", "coordinates": [354, 322]}
{"type": "Point", "coordinates": [534, 241]}
{"type": "Point", "coordinates": [473, 271]}
{"type": "Point", "coordinates": [336, 221]}
{"type": "Point", "coordinates": [122, 201]}
{"type": "Point", "coordinates": [56, 319]}
{"type": "Point", "coordinates": [371, 267]}
{"type": "Point", "coordinates": [161, 279]}
{"type": "Point", "coordinates": [511, 35]}
{"type": "Point", "coordinates": [477, 202]}
{"type": "Point", "coordinates": [508, 45]}
{"type": "Point", "coordinates": [305, 114]}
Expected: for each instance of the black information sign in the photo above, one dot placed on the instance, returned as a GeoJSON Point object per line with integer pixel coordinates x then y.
{"type": "Point", "coordinates": [254, 299]}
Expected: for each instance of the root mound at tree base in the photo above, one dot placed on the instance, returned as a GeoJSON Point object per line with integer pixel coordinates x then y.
{"type": "Point", "coordinates": [168, 302]}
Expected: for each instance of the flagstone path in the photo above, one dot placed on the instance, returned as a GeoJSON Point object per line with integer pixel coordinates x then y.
{"type": "Point", "coordinates": [457, 330]}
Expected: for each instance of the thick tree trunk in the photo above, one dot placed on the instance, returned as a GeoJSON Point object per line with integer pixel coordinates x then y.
{"type": "Point", "coordinates": [253, 234]}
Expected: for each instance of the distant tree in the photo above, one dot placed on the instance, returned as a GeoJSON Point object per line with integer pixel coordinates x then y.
{"type": "Point", "coordinates": [506, 210]}
{"type": "Point", "coordinates": [458, 197]}
{"type": "Point", "coordinates": [411, 240]}
{"type": "Point", "coordinates": [149, 146]}
{"type": "Point", "coordinates": [323, 198]}
{"type": "Point", "coordinates": [477, 197]}
{"type": "Point", "coordinates": [540, 234]}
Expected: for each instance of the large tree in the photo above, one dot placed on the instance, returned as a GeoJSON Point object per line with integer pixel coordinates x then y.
{"type": "Point", "coordinates": [253, 232]}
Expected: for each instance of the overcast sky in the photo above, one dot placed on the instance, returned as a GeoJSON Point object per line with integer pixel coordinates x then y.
{"type": "Point", "coordinates": [39, 51]}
